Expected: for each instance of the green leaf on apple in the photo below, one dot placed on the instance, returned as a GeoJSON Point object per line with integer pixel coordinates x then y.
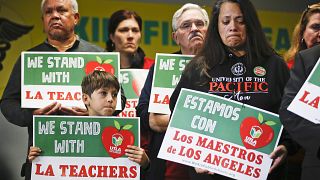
{"type": "Point", "coordinates": [128, 126]}
{"type": "Point", "coordinates": [99, 60]}
{"type": "Point", "coordinates": [107, 61]}
{"type": "Point", "coordinates": [117, 125]}
{"type": "Point", "coordinates": [270, 123]}
{"type": "Point", "coordinates": [260, 118]}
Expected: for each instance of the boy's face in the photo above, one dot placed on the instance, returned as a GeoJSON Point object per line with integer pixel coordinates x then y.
{"type": "Point", "coordinates": [102, 102]}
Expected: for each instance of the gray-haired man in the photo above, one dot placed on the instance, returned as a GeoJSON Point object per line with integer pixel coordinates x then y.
{"type": "Point", "coordinates": [189, 24]}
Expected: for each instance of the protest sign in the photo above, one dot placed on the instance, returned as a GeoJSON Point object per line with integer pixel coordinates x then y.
{"type": "Point", "coordinates": [79, 147]}
{"type": "Point", "coordinates": [306, 102]}
{"type": "Point", "coordinates": [132, 82]}
{"type": "Point", "coordinates": [47, 77]}
{"type": "Point", "coordinates": [221, 135]}
{"type": "Point", "coordinates": [167, 73]}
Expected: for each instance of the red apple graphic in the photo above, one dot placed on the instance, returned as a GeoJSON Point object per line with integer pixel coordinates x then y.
{"type": "Point", "coordinates": [116, 139]}
{"type": "Point", "coordinates": [256, 133]}
{"type": "Point", "coordinates": [138, 80]}
{"type": "Point", "coordinates": [136, 88]}
{"type": "Point", "coordinates": [98, 65]}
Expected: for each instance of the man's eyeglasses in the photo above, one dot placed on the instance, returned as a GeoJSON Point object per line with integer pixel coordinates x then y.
{"type": "Point", "coordinates": [186, 25]}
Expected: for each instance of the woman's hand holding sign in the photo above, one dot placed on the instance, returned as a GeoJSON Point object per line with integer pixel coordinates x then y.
{"type": "Point", "coordinates": [203, 171]}
{"type": "Point", "coordinates": [278, 156]}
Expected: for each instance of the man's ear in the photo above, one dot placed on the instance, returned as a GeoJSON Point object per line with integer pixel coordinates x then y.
{"type": "Point", "coordinates": [86, 99]}
{"type": "Point", "coordinates": [76, 18]}
{"type": "Point", "coordinates": [174, 37]}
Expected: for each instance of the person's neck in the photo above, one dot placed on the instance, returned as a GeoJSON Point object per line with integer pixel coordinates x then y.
{"type": "Point", "coordinates": [125, 60]}
{"type": "Point", "coordinates": [186, 52]}
{"type": "Point", "coordinates": [190, 51]}
{"type": "Point", "coordinates": [62, 46]}
{"type": "Point", "coordinates": [238, 53]}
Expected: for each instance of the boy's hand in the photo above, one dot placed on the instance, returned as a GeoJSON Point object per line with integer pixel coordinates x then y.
{"type": "Point", "coordinates": [75, 111]}
{"type": "Point", "coordinates": [137, 155]}
{"type": "Point", "coordinates": [33, 153]}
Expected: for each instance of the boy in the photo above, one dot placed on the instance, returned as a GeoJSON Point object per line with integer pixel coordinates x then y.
{"type": "Point", "coordinates": [99, 94]}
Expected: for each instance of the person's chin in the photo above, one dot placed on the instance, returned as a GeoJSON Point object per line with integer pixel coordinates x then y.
{"type": "Point", "coordinates": [196, 38]}
{"type": "Point", "coordinates": [234, 41]}
{"type": "Point", "coordinates": [57, 34]}
{"type": "Point", "coordinates": [197, 43]}
{"type": "Point", "coordinates": [129, 50]}
{"type": "Point", "coordinates": [314, 44]}
{"type": "Point", "coordinates": [108, 112]}
{"type": "Point", "coordinates": [234, 44]}
{"type": "Point", "coordinates": [56, 30]}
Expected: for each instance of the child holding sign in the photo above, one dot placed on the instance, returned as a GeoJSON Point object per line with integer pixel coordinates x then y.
{"type": "Point", "coordinates": [100, 91]}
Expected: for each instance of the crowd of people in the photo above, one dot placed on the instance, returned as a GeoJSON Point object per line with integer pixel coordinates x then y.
{"type": "Point", "coordinates": [228, 44]}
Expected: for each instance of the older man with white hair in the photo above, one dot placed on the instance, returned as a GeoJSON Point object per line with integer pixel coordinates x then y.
{"type": "Point", "coordinates": [189, 25]}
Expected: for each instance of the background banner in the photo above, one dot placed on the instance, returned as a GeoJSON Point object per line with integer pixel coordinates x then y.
{"type": "Point", "coordinates": [93, 27]}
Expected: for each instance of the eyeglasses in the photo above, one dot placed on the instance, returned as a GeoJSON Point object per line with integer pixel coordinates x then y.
{"type": "Point", "coordinates": [187, 25]}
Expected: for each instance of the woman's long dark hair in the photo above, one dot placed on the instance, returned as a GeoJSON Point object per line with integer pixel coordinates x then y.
{"type": "Point", "coordinates": [114, 21]}
{"type": "Point", "coordinates": [214, 51]}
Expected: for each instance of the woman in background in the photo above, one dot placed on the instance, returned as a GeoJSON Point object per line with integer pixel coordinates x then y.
{"type": "Point", "coordinates": [124, 32]}
{"type": "Point", "coordinates": [306, 34]}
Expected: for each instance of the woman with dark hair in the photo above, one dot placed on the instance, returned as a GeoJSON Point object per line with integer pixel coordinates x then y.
{"type": "Point", "coordinates": [306, 34]}
{"type": "Point", "coordinates": [238, 63]}
{"type": "Point", "coordinates": [124, 32]}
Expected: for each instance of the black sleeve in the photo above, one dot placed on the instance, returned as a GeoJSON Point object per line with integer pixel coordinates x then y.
{"type": "Point", "coordinates": [123, 102]}
{"type": "Point", "coordinates": [306, 133]}
{"type": "Point", "coordinates": [143, 104]}
{"type": "Point", "coordinates": [285, 139]}
{"type": "Point", "coordinates": [183, 83]}
{"type": "Point", "coordinates": [11, 100]}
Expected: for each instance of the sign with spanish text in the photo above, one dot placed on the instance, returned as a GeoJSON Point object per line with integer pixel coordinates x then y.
{"type": "Point", "coordinates": [48, 77]}
{"type": "Point", "coordinates": [306, 102]}
{"type": "Point", "coordinates": [84, 147]}
{"type": "Point", "coordinates": [167, 73]}
{"type": "Point", "coordinates": [221, 135]}
{"type": "Point", "coordinates": [132, 82]}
